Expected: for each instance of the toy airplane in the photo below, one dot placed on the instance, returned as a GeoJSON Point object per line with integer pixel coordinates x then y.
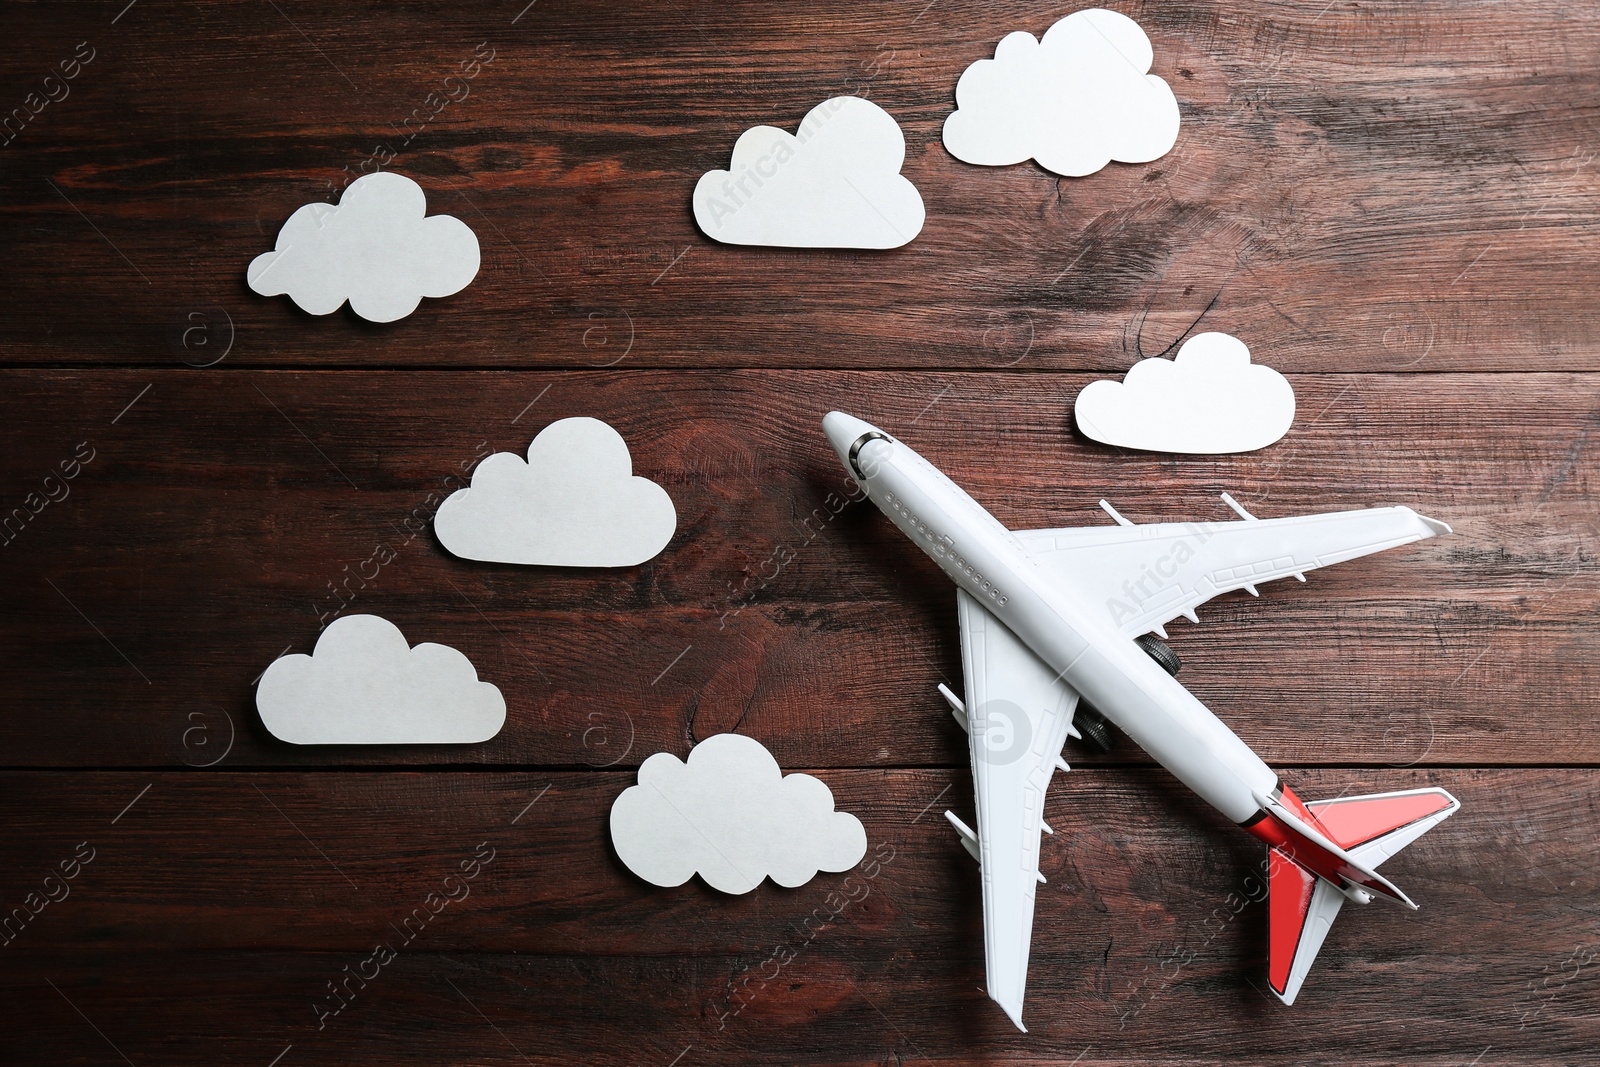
{"type": "Point", "coordinates": [1049, 616]}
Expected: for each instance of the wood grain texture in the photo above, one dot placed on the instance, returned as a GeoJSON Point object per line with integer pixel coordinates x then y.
{"type": "Point", "coordinates": [230, 513]}
{"type": "Point", "coordinates": [1392, 202]}
{"type": "Point", "coordinates": [1355, 188]}
{"type": "Point", "coordinates": [268, 885]}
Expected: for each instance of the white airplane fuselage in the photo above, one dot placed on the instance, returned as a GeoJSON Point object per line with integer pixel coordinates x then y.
{"type": "Point", "coordinates": [1105, 666]}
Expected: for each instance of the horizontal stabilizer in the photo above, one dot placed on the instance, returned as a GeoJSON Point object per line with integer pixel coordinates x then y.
{"type": "Point", "coordinates": [1375, 827]}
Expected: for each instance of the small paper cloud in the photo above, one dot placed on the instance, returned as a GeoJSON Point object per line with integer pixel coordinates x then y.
{"type": "Point", "coordinates": [835, 185]}
{"type": "Point", "coordinates": [364, 685]}
{"type": "Point", "coordinates": [1209, 399]}
{"type": "Point", "coordinates": [574, 503]}
{"type": "Point", "coordinates": [377, 248]}
{"type": "Point", "coordinates": [730, 815]}
{"type": "Point", "coordinates": [1073, 101]}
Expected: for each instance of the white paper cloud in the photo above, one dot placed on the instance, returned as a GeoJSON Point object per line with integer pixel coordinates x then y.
{"type": "Point", "coordinates": [1074, 101]}
{"type": "Point", "coordinates": [1209, 399]}
{"type": "Point", "coordinates": [835, 185]}
{"type": "Point", "coordinates": [574, 503]}
{"type": "Point", "coordinates": [363, 685]}
{"type": "Point", "coordinates": [377, 248]}
{"type": "Point", "coordinates": [732, 816]}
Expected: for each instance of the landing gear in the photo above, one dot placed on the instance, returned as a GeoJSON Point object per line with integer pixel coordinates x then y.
{"type": "Point", "coordinates": [1094, 727]}
{"type": "Point", "coordinates": [1159, 651]}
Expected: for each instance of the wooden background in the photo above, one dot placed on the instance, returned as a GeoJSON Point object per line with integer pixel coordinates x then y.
{"type": "Point", "coordinates": [1394, 202]}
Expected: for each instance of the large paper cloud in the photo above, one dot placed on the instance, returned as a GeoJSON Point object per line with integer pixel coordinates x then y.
{"type": "Point", "coordinates": [574, 503]}
{"type": "Point", "coordinates": [835, 185]}
{"type": "Point", "coordinates": [1209, 399]}
{"type": "Point", "coordinates": [377, 248]}
{"type": "Point", "coordinates": [364, 685]}
{"type": "Point", "coordinates": [730, 815]}
{"type": "Point", "coordinates": [1074, 101]}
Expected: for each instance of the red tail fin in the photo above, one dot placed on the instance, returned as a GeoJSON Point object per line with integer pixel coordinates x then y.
{"type": "Point", "coordinates": [1302, 906]}
{"type": "Point", "coordinates": [1288, 825]}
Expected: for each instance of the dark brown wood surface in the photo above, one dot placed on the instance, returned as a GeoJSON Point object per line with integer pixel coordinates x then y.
{"type": "Point", "coordinates": [1394, 203]}
{"type": "Point", "coordinates": [215, 911]}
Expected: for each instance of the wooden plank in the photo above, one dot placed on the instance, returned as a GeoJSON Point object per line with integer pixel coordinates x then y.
{"type": "Point", "coordinates": [225, 515]}
{"type": "Point", "coordinates": [218, 906]}
{"type": "Point", "coordinates": [1353, 190]}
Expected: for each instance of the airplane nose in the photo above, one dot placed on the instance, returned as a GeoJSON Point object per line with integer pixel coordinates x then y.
{"type": "Point", "coordinates": [843, 431]}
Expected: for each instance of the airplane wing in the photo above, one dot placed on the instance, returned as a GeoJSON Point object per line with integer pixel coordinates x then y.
{"type": "Point", "coordinates": [1018, 715]}
{"type": "Point", "coordinates": [1148, 575]}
